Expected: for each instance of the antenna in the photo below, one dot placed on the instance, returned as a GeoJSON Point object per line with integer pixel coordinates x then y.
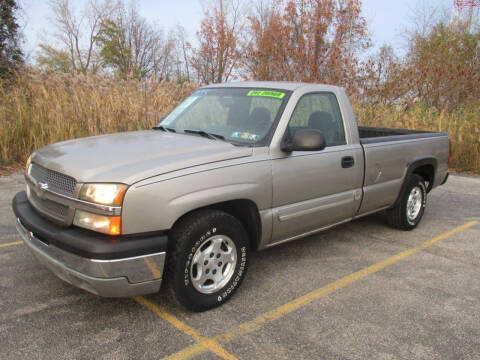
{"type": "Point", "coordinates": [466, 13]}
{"type": "Point", "coordinates": [460, 4]}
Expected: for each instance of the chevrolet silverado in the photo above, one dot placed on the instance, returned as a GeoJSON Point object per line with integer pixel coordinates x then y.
{"type": "Point", "coordinates": [235, 168]}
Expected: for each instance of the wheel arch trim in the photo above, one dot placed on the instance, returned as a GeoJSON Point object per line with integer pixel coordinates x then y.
{"type": "Point", "coordinates": [244, 210]}
{"type": "Point", "coordinates": [411, 168]}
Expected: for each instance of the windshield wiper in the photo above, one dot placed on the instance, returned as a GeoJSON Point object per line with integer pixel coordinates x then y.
{"type": "Point", "coordinates": [160, 127]}
{"type": "Point", "coordinates": [205, 134]}
{"type": "Point", "coordinates": [218, 136]}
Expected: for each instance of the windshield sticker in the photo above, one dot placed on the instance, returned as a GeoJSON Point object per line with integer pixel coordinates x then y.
{"type": "Point", "coordinates": [244, 135]}
{"type": "Point", "coordinates": [267, 93]}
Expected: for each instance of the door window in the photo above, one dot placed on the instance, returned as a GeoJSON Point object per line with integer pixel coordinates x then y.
{"type": "Point", "coordinates": [319, 111]}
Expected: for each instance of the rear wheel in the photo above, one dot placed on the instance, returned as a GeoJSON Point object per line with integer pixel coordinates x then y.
{"type": "Point", "coordinates": [208, 259]}
{"type": "Point", "coordinates": [408, 212]}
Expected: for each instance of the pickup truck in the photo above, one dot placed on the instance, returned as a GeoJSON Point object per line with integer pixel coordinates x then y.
{"type": "Point", "coordinates": [235, 168]}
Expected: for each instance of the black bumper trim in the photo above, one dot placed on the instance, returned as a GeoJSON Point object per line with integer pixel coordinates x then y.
{"type": "Point", "coordinates": [84, 242]}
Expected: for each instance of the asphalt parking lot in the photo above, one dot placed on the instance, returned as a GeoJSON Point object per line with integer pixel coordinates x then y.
{"type": "Point", "coordinates": [358, 291]}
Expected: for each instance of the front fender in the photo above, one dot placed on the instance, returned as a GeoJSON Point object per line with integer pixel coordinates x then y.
{"type": "Point", "coordinates": [157, 205]}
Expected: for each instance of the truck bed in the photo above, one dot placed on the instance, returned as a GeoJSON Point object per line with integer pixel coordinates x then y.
{"type": "Point", "coordinates": [370, 134]}
{"type": "Point", "coordinates": [389, 152]}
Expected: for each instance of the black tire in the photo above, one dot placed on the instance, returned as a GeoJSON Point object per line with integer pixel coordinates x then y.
{"type": "Point", "coordinates": [397, 216]}
{"type": "Point", "coordinates": [191, 234]}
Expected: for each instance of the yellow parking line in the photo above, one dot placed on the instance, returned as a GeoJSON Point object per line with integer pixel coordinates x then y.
{"type": "Point", "coordinates": [204, 342]}
{"type": "Point", "coordinates": [306, 299]}
{"type": "Point", "coordinates": [11, 243]}
{"type": "Point", "coordinates": [153, 269]}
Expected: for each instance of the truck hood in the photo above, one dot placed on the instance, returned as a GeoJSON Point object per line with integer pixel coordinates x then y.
{"type": "Point", "coordinates": [133, 156]}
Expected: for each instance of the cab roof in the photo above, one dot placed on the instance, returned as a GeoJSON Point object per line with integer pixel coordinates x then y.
{"type": "Point", "coordinates": [280, 85]}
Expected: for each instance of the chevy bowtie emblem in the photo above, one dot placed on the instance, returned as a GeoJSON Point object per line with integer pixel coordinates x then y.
{"type": "Point", "coordinates": [43, 186]}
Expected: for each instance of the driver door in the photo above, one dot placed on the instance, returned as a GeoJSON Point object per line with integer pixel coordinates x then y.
{"type": "Point", "coordinates": [314, 189]}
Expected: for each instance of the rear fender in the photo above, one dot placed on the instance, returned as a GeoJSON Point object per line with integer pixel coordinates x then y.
{"type": "Point", "coordinates": [412, 166]}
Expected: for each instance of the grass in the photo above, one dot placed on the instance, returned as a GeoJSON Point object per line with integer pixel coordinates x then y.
{"type": "Point", "coordinates": [37, 109]}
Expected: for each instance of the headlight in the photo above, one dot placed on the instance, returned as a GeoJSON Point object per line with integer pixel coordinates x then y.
{"type": "Point", "coordinates": [106, 194]}
{"type": "Point", "coordinates": [106, 224]}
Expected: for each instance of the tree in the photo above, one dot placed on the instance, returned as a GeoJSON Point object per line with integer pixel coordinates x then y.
{"type": "Point", "coordinates": [263, 50]}
{"type": "Point", "coordinates": [307, 40]}
{"type": "Point", "coordinates": [11, 56]}
{"type": "Point", "coordinates": [77, 34]}
{"type": "Point", "coordinates": [132, 47]}
{"type": "Point", "coordinates": [50, 58]}
{"type": "Point", "coordinates": [181, 54]}
{"type": "Point", "coordinates": [217, 56]}
{"type": "Point", "coordinates": [383, 78]}
{"type": "Point", "coordinates": [443, 65]}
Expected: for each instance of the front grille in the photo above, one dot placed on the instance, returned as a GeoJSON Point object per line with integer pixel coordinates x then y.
{"type": "Point", "coordinates": [59, 211]}
{"type": "Point", "coordinates": [57, 182]}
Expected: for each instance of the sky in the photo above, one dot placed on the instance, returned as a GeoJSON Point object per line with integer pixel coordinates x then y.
{"type": "Point", "coordinates": [387, 19]}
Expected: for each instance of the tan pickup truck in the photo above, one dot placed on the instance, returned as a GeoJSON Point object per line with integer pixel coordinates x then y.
{"type": "Point", "coordinates": [235, 168]}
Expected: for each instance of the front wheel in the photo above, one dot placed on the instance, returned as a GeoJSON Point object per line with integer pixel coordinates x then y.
{"type": "Point", "coordinates": [409, 210]}
{"type": "Point", "coordinates": [208, 259]}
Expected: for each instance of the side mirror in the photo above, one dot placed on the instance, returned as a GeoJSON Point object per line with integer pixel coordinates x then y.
{"type": "Point", "coordinates": [305, 140]}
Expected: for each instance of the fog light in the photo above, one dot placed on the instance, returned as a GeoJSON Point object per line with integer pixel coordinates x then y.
{"type": "Point", "coordinates": [106, 224]}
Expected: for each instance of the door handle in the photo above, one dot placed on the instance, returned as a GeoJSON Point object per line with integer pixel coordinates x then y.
{"type": "Point", "coordinates": [348, 161]}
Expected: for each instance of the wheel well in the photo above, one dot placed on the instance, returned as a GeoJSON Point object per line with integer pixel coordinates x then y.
{"type": "Point", "coordinates": [246, 211]}
{"type": "Point", "coordinates": [427, 172]}
{"type": "Point", "coordinates": [423, 167]}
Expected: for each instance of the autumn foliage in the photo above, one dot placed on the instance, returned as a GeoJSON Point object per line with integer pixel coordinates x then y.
{"type": "Point", "coordinates": [325, 41]}
{"type": "Point", "coordinates": [217, 55]}
{"type": "Point", "coordinates": [443, 67]}
{"type": "Point", "coordinates": [307, 40]}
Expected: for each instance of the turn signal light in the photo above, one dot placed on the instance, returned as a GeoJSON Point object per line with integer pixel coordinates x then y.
{"type": "Point", "coordinates": [111, 225]}
{"type": "Point", "coordinates": [115, 225]}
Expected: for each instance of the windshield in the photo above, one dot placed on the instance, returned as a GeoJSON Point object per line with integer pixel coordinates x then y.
{"type": "Point", "coordinates": [238, 115]}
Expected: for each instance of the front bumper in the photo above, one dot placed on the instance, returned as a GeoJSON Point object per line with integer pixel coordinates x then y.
{"type": "Point", "coordinates": [138, 273]}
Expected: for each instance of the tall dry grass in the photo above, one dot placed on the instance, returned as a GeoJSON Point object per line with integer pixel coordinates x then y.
{"type": "Point", "coordinates": [39, 109]}
{"type": "Point", "coordinates": [463, 126]}
{"type": "Point", "coordinates": [42, 108]}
